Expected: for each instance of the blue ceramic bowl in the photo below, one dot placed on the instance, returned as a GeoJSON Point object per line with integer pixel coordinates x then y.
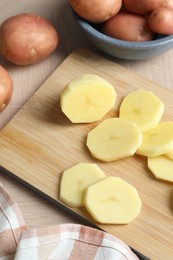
{"type": "Point", "coordinates": [124, 49]}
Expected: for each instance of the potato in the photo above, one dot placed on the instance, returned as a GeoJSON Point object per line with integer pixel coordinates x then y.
{"type": "Point", "coordinates": [27, 39]}
{"type": "Point", "coordinates": [160, 21]}
{"type": "Point", "coordinates": [96, 11]}
{"type": "Point", "coordinates": [6, 88]}
{"type": "Point", "coordinates": [142, 6]}
{"type": "Point", "coordinates": [87, 98]}
{"type": "Point", "coordinates": [114, 139]}
{"type": "Point", "coordinates": [112, 201]}
{"type": "Point", "coordinates": [129, 27]}
{"type": "Point", "coordinates": [168, 4]}
{"type": "Point", "coordinates": [143, 108]}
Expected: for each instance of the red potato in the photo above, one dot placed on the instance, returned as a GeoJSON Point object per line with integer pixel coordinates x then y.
{"type": "Point", "coordinates": [161, 21]}
{"type": "Point", "coordinates": [27, 39]}
{"type": "Point", "coordinates": [96, 11]}
{"type": "Point", "coordinates": [142, 6]}
{"type": "Point", "coordinates": [6, 88]}
{"type": "Point", "coordinates": [129, 27]}
{"type": "Point", "coordinates": [168, 4]}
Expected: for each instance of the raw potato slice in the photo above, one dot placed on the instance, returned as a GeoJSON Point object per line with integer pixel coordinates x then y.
{"type": "Point", "coordinates": [75, 180]}
{"type": "Point", "coordinates": [157, 141]}
{"type": "Point", "coordinates": [114, 139]}
{"type": "Point", "coordinates": [87, 98]}
{"type": "Point", "coordinates": [112, 201]}
{"type": "Point", "coordinates": [169, 155]}
{"type": "Point", "coordinates": [143, 108]}
{"type": "Point", "coordinates": [162, 167]}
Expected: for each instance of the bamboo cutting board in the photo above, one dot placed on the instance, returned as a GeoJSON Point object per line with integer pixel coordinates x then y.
{"type": "Point", "coordinates": [40, 142]}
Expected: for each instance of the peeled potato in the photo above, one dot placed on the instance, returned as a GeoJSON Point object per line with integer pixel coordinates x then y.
{"type": "Point", "coordinates": [162, 167]}
{"type": "Point", "coordinates": [87, 98]}
{"type": "Point", "coordinates": [96, 11]}
{"type": "Point", "coordinates": [128, 27]}
{"type": "Point", "coordinates": [157, 141]}
{"type": "Point", "coordinates": [6, 88]}
{"type": "Point", "coordinates": [170, 155]}
{"type": "Point", "coordinates": [114, 139]}
{"type": "Point", "coordinates": [112, 201]}
{"type": "Point", "coordinates": [142, 107]}
{"type": "Point", "coordinates": [27, 39]}
{"type": "Point", "coordinates": [75, 180]}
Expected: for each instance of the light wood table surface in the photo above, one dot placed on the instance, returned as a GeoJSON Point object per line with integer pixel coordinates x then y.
{"type": "Point", "coordinates": [27, 79]}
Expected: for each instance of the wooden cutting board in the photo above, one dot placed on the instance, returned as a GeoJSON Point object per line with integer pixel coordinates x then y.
{"type": "Point", "coordinates": [40, 142]}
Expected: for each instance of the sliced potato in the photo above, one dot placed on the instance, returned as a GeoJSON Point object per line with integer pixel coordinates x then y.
{"type": "Point", "coordinates": [114, 139]}
{"type": "Point", "coordinates": [143, 108]}
{"type": "Point", "coordinates": [75, 180]}
{"type": "Point", "coordinates": [87, 98]}
{"type": "Point", "coordinates": [157, 141]}
{"type": "Point", "coordinates": [112, 201]}
{"type": "Point", "coordinates": [162, 167]}
{"type": "Point", "coordinates": [170, 155]}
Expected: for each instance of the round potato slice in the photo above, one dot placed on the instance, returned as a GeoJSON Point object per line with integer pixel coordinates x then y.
{"type": "Point", "coordinates": [162, 167]}
{"type": "Point", "coordinates": [112, 201]}
{"type": "Point", "coordinates": [75, 180]}
{"type": "Point", "coordinates": [170, 155]}
{"type": "Point", "coordinates": [114, 139]}
{"type": "Point", "coordinates": [157, 141]}
{"type": "Point", "coordinates": [87, 98]}
{"type": "Point", "coordinates": [142, 107]}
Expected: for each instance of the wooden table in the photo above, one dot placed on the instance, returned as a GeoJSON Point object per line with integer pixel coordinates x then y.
{"type": "Point", "coordinates": [27, 80]}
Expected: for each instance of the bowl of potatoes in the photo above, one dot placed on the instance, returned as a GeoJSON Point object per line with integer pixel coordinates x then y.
{"type": "Point", "coordinates": [127, 29]}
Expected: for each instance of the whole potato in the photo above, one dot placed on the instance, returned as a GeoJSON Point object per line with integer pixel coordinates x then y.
{"type": "Point", "coordinates": [129, 27]}
{"type": "Point", "coordinates": [6, 88]}
{"type": "Point", "coordinates": [161, 21]}
{"type": "Point", "coordinates": [142, 6]}
{"type": "Point", "coordinates": [168, 4]}
{"type": "Point", "coordinates": [96, 11]}
{"type": "Point", "coordinates": [27, 39]}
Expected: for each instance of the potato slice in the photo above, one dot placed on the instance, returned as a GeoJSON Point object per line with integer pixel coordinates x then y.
{"type": "Point", "coordinates": [114, 139]}
{"type": "Point", "coordinates": [143, 108]}
{"type": "Point", "coordinates": [162, 167]}
{"type": "Point", "coordinates": [75, 180]}
{"type": "Point", "coordinates": [170, 155]}
{"type": "Point", "coordinates": [87, 98]}
{"type": "Point", "coordinates": [112, 201]}
{"type": "Point", "coordinates": [157, 141]}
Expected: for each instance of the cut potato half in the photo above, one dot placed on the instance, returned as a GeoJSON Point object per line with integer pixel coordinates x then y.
{"type": "Point", "coordinates": [112, 201]}
{"type": "Point", "coordinates": [114, 139]}
{"type": "Point", "coordinates": [157, 141]}
{"type": "Point", "coordinates": [87, 98]}
{"type": "Point", "coordinates": [143, 108]}
{"type": "Point", "coordinates": [75, 180]}
{"type": "Point", "coordinates": [162, 167]}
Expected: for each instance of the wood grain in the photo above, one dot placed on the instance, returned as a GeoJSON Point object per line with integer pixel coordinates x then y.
{"type": "Point", "coordinates": [40, 142]}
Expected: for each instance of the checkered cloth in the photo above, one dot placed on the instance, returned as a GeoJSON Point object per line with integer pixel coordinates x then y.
{"type": "Point", "coordinates": [60, 242]}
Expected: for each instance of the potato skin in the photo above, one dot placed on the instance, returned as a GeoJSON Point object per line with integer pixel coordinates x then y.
{"type": "Point", "coordinates": [142, 6]}
{"type": "Point", "coordinates": [160, 21]}
{"type": "Point", "coordinates": [27, 39]}
{"type": "Point", "coordinates": [6, 88]}
{"type": "Point", "coordinates": [168, 4]}
{"type": "Point", "coordinates": [129, 27]}
{"type": "Point", "coordinates": [96, 11]}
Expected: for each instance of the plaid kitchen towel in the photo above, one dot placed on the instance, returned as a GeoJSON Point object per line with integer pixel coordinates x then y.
{"type": "Point", "coordinates": [60, 242]}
